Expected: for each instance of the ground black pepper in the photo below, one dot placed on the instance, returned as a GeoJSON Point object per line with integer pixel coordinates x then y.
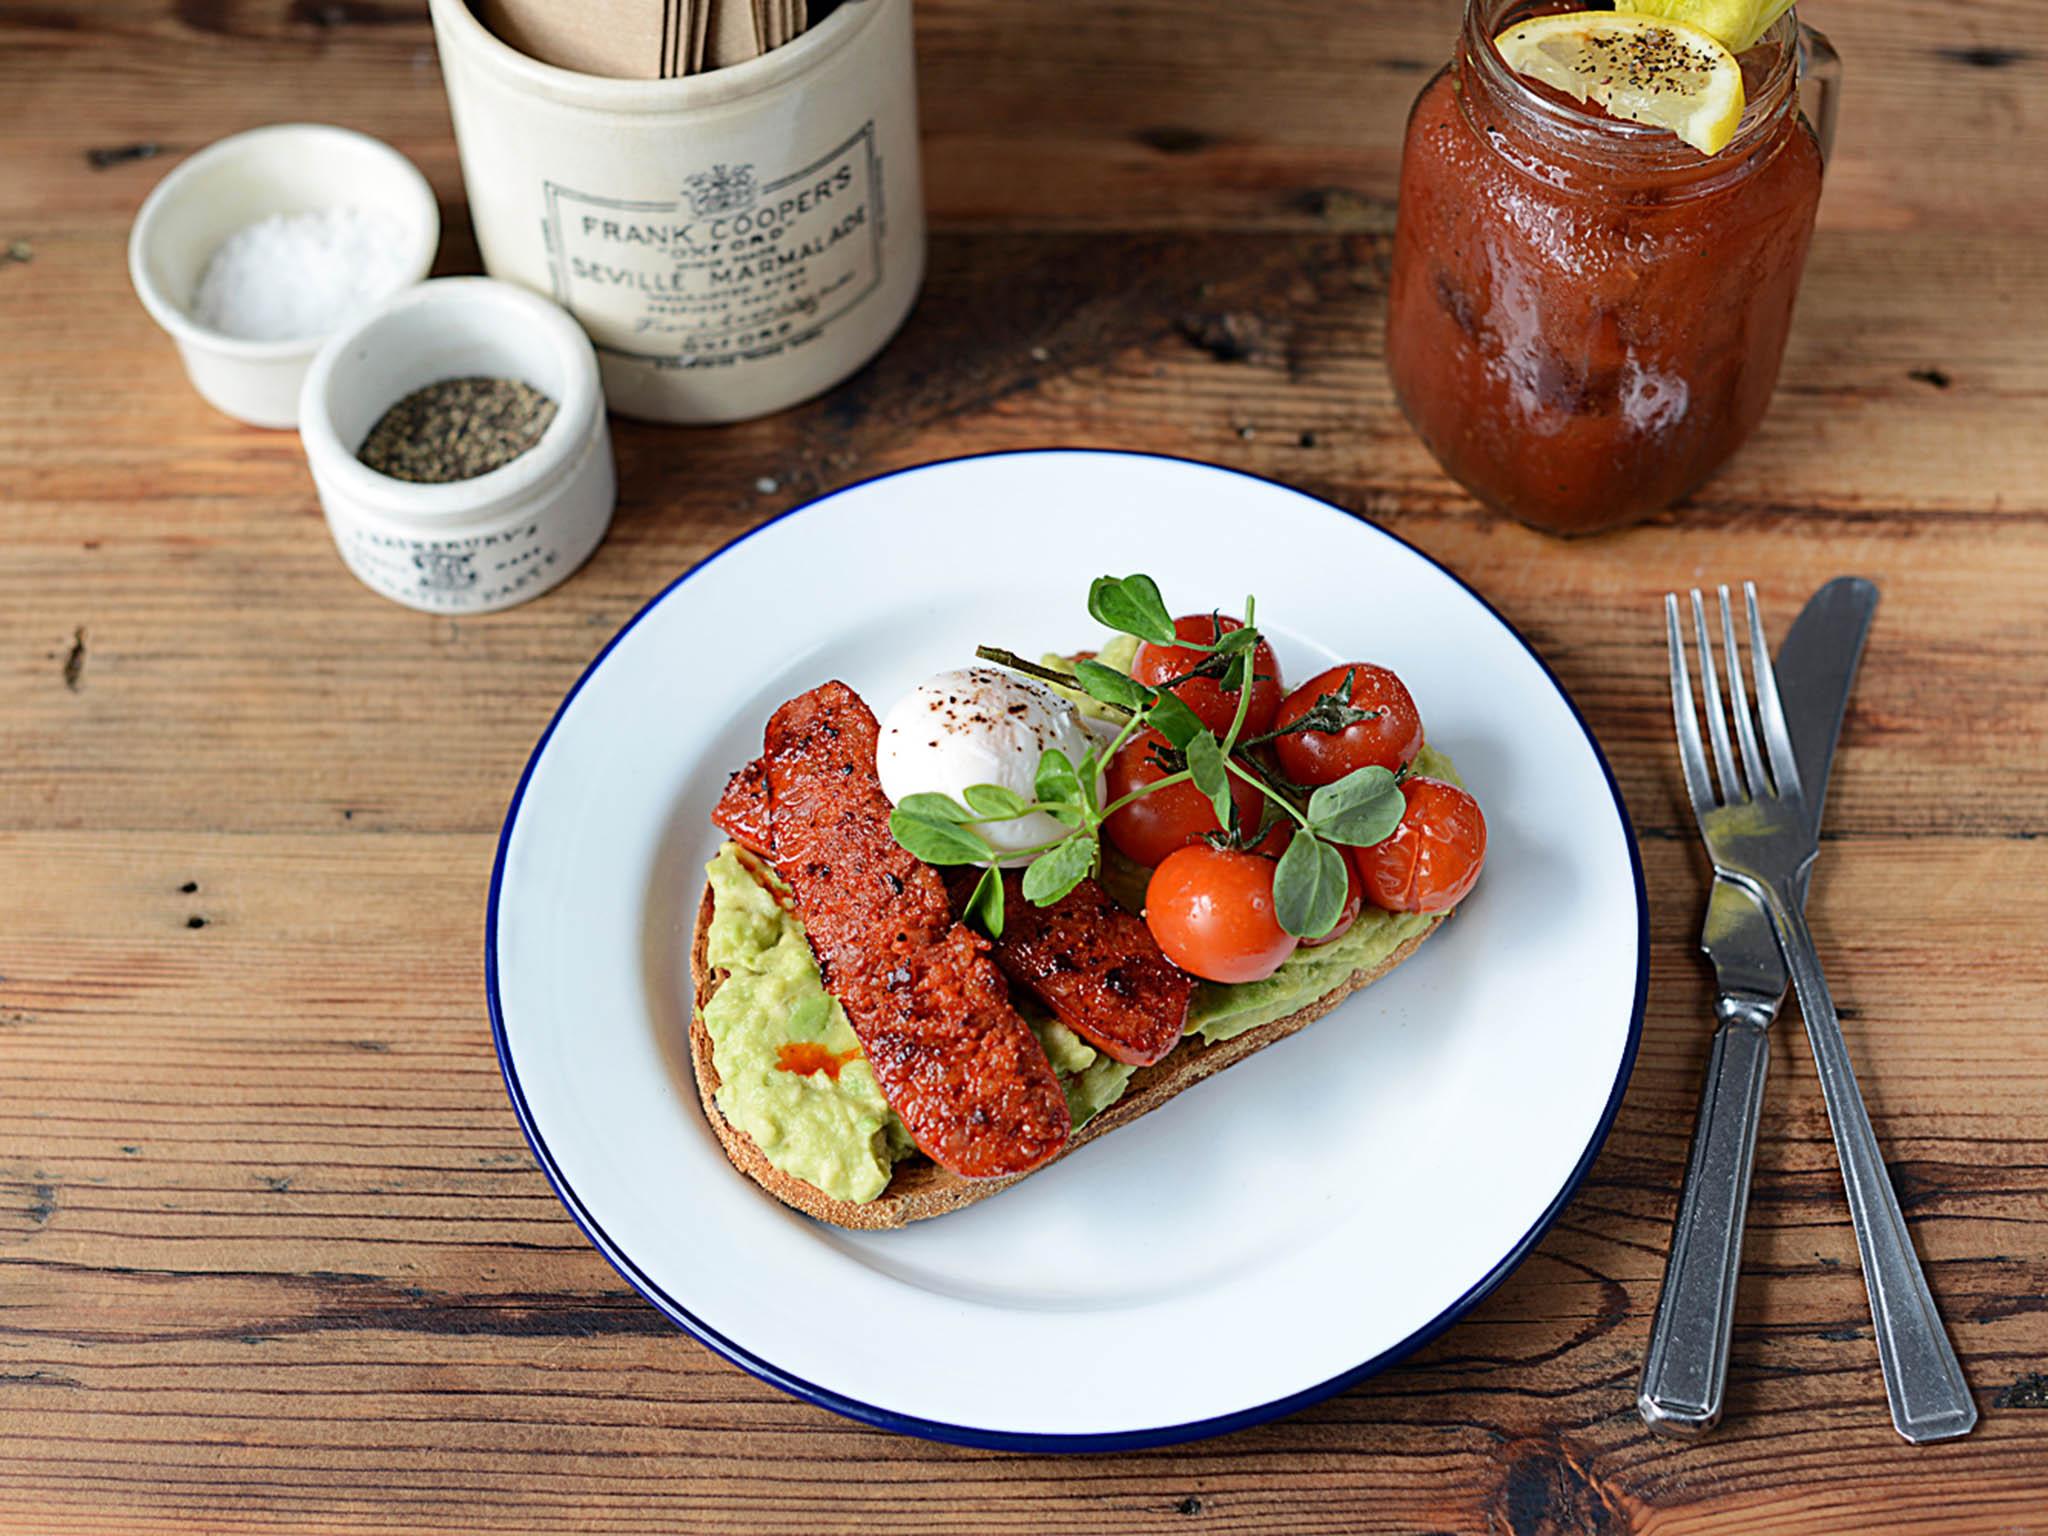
{"type": "Point", "coordinates": [457, 429]}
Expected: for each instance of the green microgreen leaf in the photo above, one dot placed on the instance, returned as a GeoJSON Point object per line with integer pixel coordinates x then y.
{"type": "Point", "coordinates": [934, 807]}
{"type": "Point", "coordinates": [1238, 640]}
{"type": "Point", "coordinates": [1110, 685]}
{"type": "Point", "coordinates": [1310, 885]}
{"type": "Point", "coordinates": [1173, 720]}
{"type": "Point", "coordinates": [1055, 782]}
{"type": "Point", "coordinates": [1058, 870]}
{"type": "Point", "coordinates": [1212, 774]}
{"type": "Point", "coordinates": [1132, 606]}
{"type": "Point", "coordinates": [995, 802]}
{"type": "Point", "coordinates": [1089, 772]}
{"type": "Point", "coordinates": [1361, 809]}
{"type": "Point", "coordinates": [937, 840]}
{"type": "Point", "coordinates": [985, 905]}
{"type": "Point", "coordinates": [1234, 673]}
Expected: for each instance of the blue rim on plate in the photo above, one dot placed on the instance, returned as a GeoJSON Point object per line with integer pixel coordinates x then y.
{"type": "Point", "coordinates": [966, 1434]}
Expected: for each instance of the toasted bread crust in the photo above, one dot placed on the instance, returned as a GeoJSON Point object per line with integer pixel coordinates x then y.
{"type": "Point", "coordinates": [920, 1188]}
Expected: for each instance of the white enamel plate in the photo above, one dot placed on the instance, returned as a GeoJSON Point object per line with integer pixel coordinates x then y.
{"type": "Point", "coordinates": [1269, 1236]}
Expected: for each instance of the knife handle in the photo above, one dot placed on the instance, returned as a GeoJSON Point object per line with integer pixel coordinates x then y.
{"type": "Point", "coordinates": [1687, 1365]}
{"type": "Point", "coordinates": [1924, 1382]}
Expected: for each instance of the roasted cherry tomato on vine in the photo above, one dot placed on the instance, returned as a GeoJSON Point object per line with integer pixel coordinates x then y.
{"type": "Point", "coordinates": [1354, 903]}
{"type": "Point", "coordinates": [1211, 909]}
{"type": "Point", "coordinates": [1158, 665]}
{"type": "Point", "coordinates": [1153, 826]}
{"type": "Point", "coordinates": [1390, 740]}
{"type": "Point", "coordinates": [1433, 857]}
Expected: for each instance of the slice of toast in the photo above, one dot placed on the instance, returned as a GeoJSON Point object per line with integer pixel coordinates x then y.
{"type": "Point", "coordinates": [920, 1187]}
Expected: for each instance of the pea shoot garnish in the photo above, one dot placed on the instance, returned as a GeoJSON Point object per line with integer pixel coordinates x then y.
{"type": "Point", "coordinates": [1208, 747]}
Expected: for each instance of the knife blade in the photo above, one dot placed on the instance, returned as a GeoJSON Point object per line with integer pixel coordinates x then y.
{"type": "Point", "coordinates": [1816, 669]}
{"type": "Point", "coordinates": [1685, 1369]}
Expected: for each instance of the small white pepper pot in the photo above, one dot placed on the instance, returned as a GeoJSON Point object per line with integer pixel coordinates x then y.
{"type": "Point", "coordinates": [463, 546]}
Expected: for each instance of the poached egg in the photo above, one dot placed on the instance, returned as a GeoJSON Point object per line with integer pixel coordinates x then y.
{"type": "Point", "coordinates": [979, 725]}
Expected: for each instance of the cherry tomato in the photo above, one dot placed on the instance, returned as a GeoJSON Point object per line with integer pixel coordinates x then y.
{"type": "Point", "coordinates": [1354, 903]}
{"type": "Point", "coordinates": [1321, 757]}
{"type": "Point", "coordinates": [1211, 910]}
{"type": "Point", "coordinates": [1150, 828]}
{"type": "Point", "coordinates": [1156, 665]}
{"type": "Point", "coordinates": [1433, 858]}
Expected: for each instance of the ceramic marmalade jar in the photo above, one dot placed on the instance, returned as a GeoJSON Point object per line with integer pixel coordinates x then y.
{"type": "Point", "coordinates": [734, 241]}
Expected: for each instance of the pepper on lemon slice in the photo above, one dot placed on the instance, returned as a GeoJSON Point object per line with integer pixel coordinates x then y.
{"type": "Point", "coordinates": [1663, 73]}
{"type": "Point", "coordinates": [1738, 25]}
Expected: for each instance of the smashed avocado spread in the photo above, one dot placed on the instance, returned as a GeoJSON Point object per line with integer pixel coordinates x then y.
{"type": "Point", "coordinates": [790, 1071]}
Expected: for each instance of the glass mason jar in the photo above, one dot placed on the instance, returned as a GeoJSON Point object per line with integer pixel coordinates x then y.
{"type": "Point", "coordinates": [1586, 315]}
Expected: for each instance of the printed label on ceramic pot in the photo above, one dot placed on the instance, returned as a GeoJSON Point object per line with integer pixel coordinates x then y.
{"type": "Point", "coordinates": [453, 574]}
{"type": "Point", "coordinates": [742, 263]}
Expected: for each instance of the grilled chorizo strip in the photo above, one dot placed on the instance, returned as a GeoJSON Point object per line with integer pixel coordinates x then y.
{"type": "Point", "coordinates": [1097, 967]}
{"type": "Point", "coordinates": [931, 1010]}
{"type": "Point", "coordinates": [742, 811]}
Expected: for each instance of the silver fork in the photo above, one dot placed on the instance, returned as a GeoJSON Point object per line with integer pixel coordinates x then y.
{"type": "Point", "coordinates": [1759, 837]}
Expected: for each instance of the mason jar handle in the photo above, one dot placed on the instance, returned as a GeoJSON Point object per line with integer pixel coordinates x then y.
{"type": "Point", "coordinates": [1820, 85]}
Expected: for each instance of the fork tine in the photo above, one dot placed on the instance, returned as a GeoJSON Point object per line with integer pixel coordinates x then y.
{"type": "Point", "coordinates": [1717, 722]}
{"type": "Point", "coordinates": [1777, 735]}
{"type": "Point", "coordinates": [1738, 698]}
{"type": "Point", "coordinates": [1690, 753]}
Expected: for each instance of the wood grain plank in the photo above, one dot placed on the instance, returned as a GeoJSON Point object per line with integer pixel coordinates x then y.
{"type": "Point", "coordinates": [265, 1284]}
{"type": "Point", "coordinates": [98, 644]}
{"type": "Point", "coordinates": [273, 1255]}
{"type": "Point", "coordinates": [1151, 113]}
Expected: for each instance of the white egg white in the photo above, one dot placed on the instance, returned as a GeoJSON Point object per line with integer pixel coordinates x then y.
{"type": "Point", "coordinates": [979, 725]}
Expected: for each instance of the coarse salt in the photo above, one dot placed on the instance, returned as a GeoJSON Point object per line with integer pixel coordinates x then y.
{"type": "Point", "coordinates": [295, 275]}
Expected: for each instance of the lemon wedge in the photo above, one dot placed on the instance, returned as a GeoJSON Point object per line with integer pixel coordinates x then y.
{"type": "Point", "coordinates": [1738, 25]}
{"type": "Point", "coordinates": [1664, 73]}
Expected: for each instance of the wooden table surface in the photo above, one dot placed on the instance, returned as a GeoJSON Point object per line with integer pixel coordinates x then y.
{"type": "Point", "coordinates": [273, 1256]}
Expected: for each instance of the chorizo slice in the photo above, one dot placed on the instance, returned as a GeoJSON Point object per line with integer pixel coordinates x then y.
{"type": "Point", "coordinates": [1097, 967]}
{"type": "Point", "coordinates": [931, 1010]}
{"type": "Point", "coordinates": [742, 811]}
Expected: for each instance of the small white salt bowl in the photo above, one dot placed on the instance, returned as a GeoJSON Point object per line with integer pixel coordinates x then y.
{"type": "Point", "coordinates": [499, 538]}
{"type": "Point", "coordinates": [289, 168]}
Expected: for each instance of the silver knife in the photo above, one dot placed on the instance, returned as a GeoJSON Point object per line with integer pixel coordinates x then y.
{"type": "Point", "coordinates": [1686, 1369]}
